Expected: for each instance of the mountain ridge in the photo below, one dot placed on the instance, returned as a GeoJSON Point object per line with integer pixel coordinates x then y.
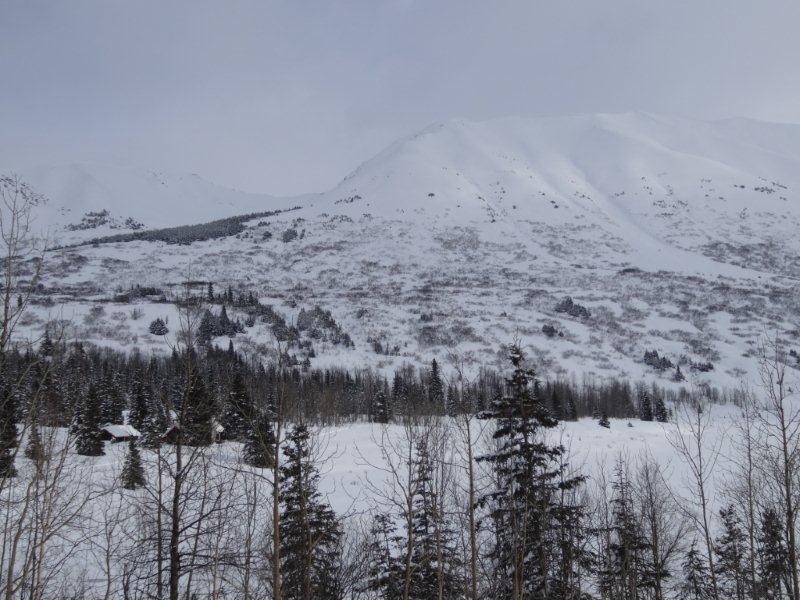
{"type": "Point", "coordinates": [675, 235]}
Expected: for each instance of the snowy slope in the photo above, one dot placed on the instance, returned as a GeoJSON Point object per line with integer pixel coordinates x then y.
{"type": "Point", "coordinates": [149, 199]}
{"type": "Point", "coordinates": [657, 183]}
{"type": "Point", "coordinates": [678, 235]}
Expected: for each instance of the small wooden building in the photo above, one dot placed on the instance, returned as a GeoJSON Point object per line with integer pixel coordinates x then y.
{"type": "Point", "coordinates": [118, 433]}
{"type": "Point", "coordinates": [217, 431]}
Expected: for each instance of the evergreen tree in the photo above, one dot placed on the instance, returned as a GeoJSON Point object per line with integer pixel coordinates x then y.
{"type": "Point", "coordinates": [8, 427]}
{"type": "Point", "coordinates": [140, 401]}
{"type": "Point", "coordinates": [531, 490]}
{"type": "Point", "coordinates": [556, 408]}
{"type": "Point", "coordinates": [310, 533]}
{"type": "Point", "coordinates": [628, 571]}
{"type": "Point", "coordinates": [197, 410]}
{"type": "Point", "coordinates": [87, 426]}
{"type": "Point", "coordinates": [572, 410]}
{"type": "Point", "coordinates": [772, 556]}
{"type": "Point", "coordinates": [730, 548]}
{"type": "Point", "coordinates": [259, 443]}
{"type": "Point", "coordinates": [210, 292]}
{"type": "Point", "coordinates": [207, 328]}
{"type": "Point", "coordinates": [155, 424]}
{"type": "Point", "coordinates": [381, 411]}
{"type": "Point", "coordinates": [399, 393]}
{"type": "Point", "coordinates": [238, 410]}
{"type": "Point", "coordinates": [695, 584]}
{"type": "Point", "coordinates": [435, 386]}
{"type": "Point", "coordinates": [678, 376]}
{"type": "Point", "coordinates": [158, 327]}
{"type": "Point", "coordinates": [132, 470]}
{"type": "Point", "coordinates": [35, 449]}
{"type": "Point", "coordinates": [661, 411]}
{"type": "Point", "coordinates": [645, 407]}
{"type": "Point", "coordinates": [49, 398]}
{"type": "Point", "coordinates": [111, 401]}
{"type": "Point", "coordinates": [453, 402]}
{"type": "Point", "coordinates": [433, 556]}
{"type": "Point", "coordinates": [46, 347]}
{"type": "Point", "coordinates": [384, 570]}
{"type": "Point", "coordinates": [224, 325]}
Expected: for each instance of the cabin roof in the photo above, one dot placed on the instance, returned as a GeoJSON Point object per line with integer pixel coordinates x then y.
{"type": "Point", "coordinates": [121, 431]}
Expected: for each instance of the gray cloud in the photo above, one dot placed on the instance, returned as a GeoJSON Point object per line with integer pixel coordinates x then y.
{"type": "Point", "coordinates": [287, 97]}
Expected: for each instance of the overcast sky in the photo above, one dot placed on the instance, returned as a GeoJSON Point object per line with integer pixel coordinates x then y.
{"type": "Point", "coordinates": [288, 97]}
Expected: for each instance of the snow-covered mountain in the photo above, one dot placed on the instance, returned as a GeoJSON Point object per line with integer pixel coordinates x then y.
{"type": "Point", "coordinates": [655, 184]}
{"type": "Point", "coordinates": [90, 200]}
{"type": "Point", "coordinates": [676, 235]}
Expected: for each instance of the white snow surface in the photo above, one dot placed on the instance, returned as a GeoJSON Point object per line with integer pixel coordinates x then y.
{"type": "Point", "coordinates": [355, 474]}
{"type": "Point", "coordinates": [678, 235]}
{"type": "Point", "coordinates": [153, 199]}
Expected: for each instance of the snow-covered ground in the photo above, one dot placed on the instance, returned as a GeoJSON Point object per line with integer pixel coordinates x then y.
{"type": "Point", "coordinates": [678, 235]}
{"type": "Point", "coordinates": [353, 468]}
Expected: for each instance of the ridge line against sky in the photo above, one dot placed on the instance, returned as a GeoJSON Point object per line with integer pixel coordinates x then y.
{"type": "Point", "coordinates": [287, 97]}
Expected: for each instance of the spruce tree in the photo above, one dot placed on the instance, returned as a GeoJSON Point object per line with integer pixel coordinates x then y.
{"type": "Point", "coordinates": [556, 407]}
{"type": "Point", "coordinates": [224, 325]}
{"type": "Point", "coordinates": [155, 425]}
{"type": "Point", "coordinates": [628, 571]}
{"type": "Point", "coordinates": [207, 328]}
{"type": "Point", "coordinates": [49, 396]}
{"type": "Point", "coordinates": [197, 412]}
{"type": "Point", "coordinates": [140, 401]}
{"type": "Point", "coordinates": [381, 411]}
{"type": "Point", "coordinates": [46, 347]}
{"type": "Point", "coordinates": [435, 386]}
{"type": "Point", "coordinates": [158, 327]}
{"type": "Point", "coordinates": [695, 583]}
{"type": "Point", "coordinates": [532, 487]}
{"type": "Point", "coordinates": [731, 550]}
{"type": "Point", "coordinates": [434, 559]}
{"type": "Point", "coordinates": [384, 570]}
{"type": "Point", "coordinates": [87, 426]}
{"type": "Point", "coordinates": [572, 410]}
{"type": "Point", "coordinates": [772, 555]}
{"type": "Point", "coordinates": [111, 400]}
{"type": "Point", "coordinates": [661, 413]}
{"type": "Point", "coordinates": [259, 443]}
{"type": "Point", "coordinates": [453, 402]}
{"type": "Point", "coordinates": [645, 407]}
{"type": "Point", "coordinates": [310, 533]}
{"type": "Point", "coordinates": [238, 409]}
{"type": "Point", "coordinates": [399, 393]}
{"type": "Point", "coordinates": [8, 428]}
{"type": "Point", "coordinates": [132, 476]}
{"type": "Point", "coordinates": [34, 450]}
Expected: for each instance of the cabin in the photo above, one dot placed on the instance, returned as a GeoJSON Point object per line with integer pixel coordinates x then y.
{"type": "Point", "coordinates": [170, 436]}
{"type": "Point", "coordinates": [118, 433]}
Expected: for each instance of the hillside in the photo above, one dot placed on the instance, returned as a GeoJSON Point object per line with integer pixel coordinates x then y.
{"type": "Point", "coordinates": [676, 236]}
{"type": "Point", "coordinates": [91, 200]}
